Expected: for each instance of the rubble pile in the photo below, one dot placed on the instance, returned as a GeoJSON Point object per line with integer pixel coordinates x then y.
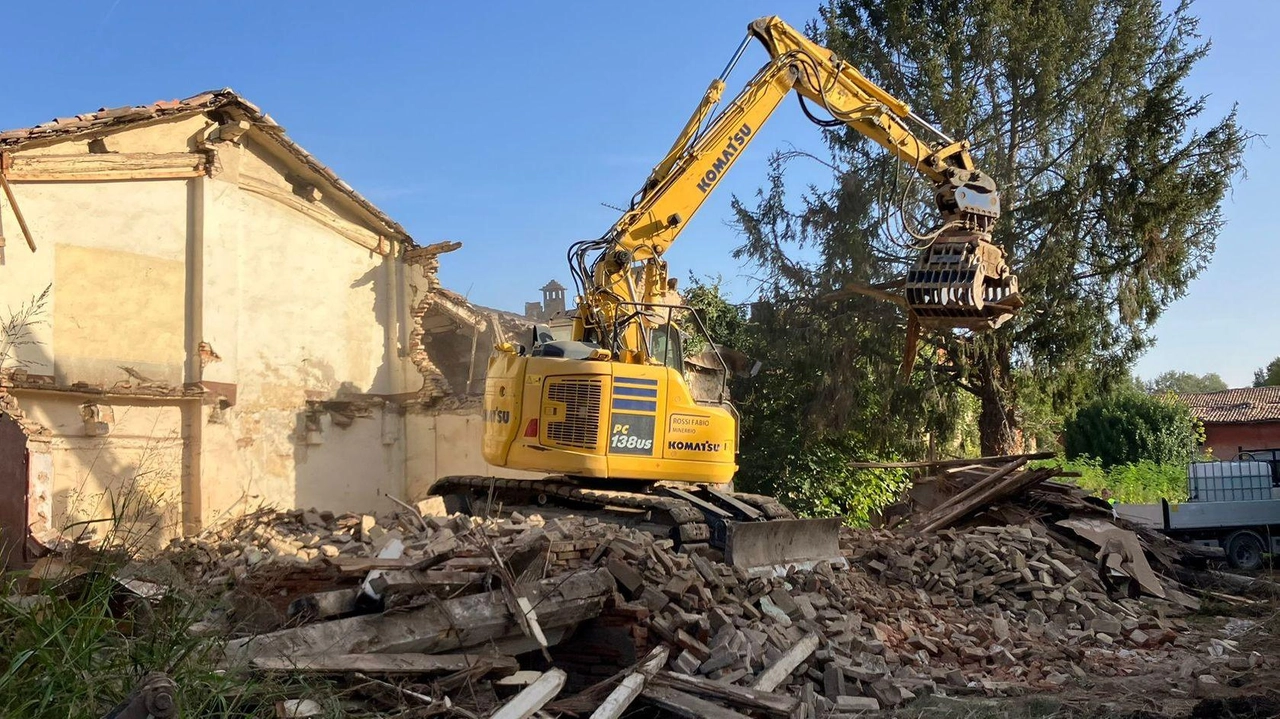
{"type": "Point", "coordinates": [954, 613]}
{"type": "Point", "coordinates": [993, 610]}
{"type": "Point", "coordinates": [270, 538]}
{"type": "Point", "coordinates": [989, 579]}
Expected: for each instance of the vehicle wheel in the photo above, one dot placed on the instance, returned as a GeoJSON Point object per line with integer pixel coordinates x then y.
{"type": "Point", "coordinates": [1244, 551]}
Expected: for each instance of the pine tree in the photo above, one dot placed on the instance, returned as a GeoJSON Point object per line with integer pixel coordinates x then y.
{"type": "Point", "coordinates": [1111, 178]}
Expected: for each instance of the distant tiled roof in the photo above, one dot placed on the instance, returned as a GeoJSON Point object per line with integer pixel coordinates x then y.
{"type": "Point", "coordinates": [227, 100]}
{"type": "Point", "coordinates": [1248, 404]}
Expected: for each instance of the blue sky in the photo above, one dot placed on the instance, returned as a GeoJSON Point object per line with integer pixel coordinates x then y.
{"type": "Point", "coordinates": [509, 125]}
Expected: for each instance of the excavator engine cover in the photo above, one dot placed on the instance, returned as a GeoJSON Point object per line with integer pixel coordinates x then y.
{"type": "Point", "coordinates": [962, 285]}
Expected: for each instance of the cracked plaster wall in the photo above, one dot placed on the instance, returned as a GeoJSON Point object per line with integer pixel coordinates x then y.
{"type": "Point", "coordinates": [208, 317]}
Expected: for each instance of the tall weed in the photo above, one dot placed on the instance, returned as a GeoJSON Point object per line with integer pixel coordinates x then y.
{"type": "Point", "coordinates": [1143, 482]}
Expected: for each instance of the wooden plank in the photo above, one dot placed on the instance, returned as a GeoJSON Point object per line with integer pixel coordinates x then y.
{"type": "Point", "coordinates": [745, 698]}
{"type": "Point", "coordinates": [13, 205]}
{"type": "Point", "coordinates": [100, 167]}
{"type": "Point", "coordinates": [524, 608]}
{"type": "Point", "coordinates": [631, 686]}
{"type": "Point", "coordinates": [687, 705]}
{"type": "Point", "coordinates": [965, 499]}
{"type": "Point", "coordinates": [778, 672]}
{"type": "Point", "coordinates": [960, 462]}
{"type": "Point", "coordinates": [987, 481]}
{"type": "Point", "coordinates": [534, 696]}
{"type": "Point", "coordinates": [439, 627]}
{"type": "Point", "coordinates": [386, 663]}
{"type": "Point", "coordinates": [991, 494]}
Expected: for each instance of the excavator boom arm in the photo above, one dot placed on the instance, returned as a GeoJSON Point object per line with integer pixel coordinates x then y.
{"type": "Point", "coordinates": [958, 274]}
{"type": "Point", "coordinates": [648, 229]}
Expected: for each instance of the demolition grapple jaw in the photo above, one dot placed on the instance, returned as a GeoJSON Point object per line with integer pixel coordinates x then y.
{"type": "Point", "coordinates": [961, 283]}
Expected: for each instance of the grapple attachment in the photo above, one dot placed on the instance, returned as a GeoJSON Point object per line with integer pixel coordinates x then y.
{"type": "Point", "coordinates": [962, 284]}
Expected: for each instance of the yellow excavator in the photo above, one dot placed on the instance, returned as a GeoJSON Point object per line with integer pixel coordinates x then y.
{"type": "Point", "coordinates": [607, 409]}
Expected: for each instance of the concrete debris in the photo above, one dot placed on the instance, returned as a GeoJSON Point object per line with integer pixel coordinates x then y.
{"type": "Point", "coordinates": [298, 709]}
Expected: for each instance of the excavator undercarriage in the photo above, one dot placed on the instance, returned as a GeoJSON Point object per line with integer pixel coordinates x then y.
{"type": "Point", "coordinates": [751, 530]}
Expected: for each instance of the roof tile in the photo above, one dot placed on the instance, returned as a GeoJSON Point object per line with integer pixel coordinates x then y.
{"type": "Point", "coordinates": [1236, 406]}
{"type": "Point", "coordinates": [106, 119]}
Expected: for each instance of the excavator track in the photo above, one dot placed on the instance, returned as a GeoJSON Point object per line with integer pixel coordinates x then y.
{"type": "Point", "coordinates": [690, 515]}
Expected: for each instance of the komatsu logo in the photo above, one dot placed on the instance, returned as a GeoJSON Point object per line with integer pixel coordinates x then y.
{"type": "Point", "coordinates": [731, 150]}
{"type": "Point", "coordinates": [695, 446]}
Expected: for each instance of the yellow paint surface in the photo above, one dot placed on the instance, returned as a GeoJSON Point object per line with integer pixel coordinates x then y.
{"type": "Point", "coordinates": [119, 306]}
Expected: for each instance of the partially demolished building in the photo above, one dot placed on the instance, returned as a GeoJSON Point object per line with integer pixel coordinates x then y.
{"type": "Point", "coordinates": [208, 320]}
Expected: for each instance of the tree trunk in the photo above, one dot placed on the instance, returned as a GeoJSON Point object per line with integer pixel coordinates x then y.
{"type": "Point", "coordinates": [998, 424]}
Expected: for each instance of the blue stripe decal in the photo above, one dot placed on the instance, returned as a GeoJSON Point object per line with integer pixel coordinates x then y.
{"type": "Point", "coordinates": [636, 380]}
{"type": "Point", "coordinates": [634, 392]}
{"type": "Point", "coordinates": [635, 404]}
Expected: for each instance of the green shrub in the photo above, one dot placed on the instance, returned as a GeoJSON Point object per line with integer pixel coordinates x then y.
{"type": "Point", "coordinates": [1132, 427]}
{"type": "Point", "coordinates": [814, 479]}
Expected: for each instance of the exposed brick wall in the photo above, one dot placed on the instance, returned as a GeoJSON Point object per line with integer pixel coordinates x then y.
{"type": "Point", "coordinates": [435, 386]}
{"type": "Point", "coordinates": [1225, 440]}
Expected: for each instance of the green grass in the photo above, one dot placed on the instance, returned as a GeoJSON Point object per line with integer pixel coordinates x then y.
{"type": "Point", "coordinates": [80, 649]}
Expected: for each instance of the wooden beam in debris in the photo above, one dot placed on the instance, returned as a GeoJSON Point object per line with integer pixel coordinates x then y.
{"type": "Point", "coordinates": [631, 686]}
{"type": "Point", "coordinates": [533, 697]}
{"type": "Point", "coordinates": [687, 705]}
{"type": "Point", "coordinates": [1013, 486]}
{"type": "Point", "coordinates": [443, 626]}
{"type": "Point", "coordinates": [957, 509]}
{"type": "Point", "coordinates": [744, 698]}
{"type": "Point", "coordinates": [947, 512]}
{"type": "Point", "coordinates": [386, 663]}
{"type": "Point", "coordinates": [961, 462]}
{"type": "Point", "coordinates": [778, 672]}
